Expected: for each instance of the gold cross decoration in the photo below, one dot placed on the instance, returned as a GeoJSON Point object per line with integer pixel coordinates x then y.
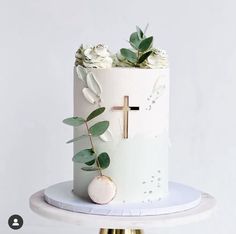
{"type": "Point", "coordinates": [126, 108]}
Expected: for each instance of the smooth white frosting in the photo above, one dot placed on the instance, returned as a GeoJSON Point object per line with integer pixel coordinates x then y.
{"type": "Point", "coordinates": [139, 164]}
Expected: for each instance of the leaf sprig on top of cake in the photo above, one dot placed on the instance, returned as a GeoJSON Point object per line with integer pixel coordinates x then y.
{"type": "Point", "coordinates": [141, 52]}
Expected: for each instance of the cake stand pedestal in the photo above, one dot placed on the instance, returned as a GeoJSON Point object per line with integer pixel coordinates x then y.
{"type": "Point", "coordinates": [123, 224]}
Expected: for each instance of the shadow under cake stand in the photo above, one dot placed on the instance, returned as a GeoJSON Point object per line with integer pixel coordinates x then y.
{"type": "Point", "coordinates": [183, 205]}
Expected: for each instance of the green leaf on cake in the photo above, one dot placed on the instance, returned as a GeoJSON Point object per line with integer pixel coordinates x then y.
{"type": "Point", "coordinates": [140, 51]}
{"type": "Point", "coordinates": [96, 113]}
{"type": "Point", "coordinates": [134, 40]}
{"type": "Point", "coordinates": [129, 55]}
{"type": "Point", "coordinates": [99, 128]}
{"type": "Point", "coordinates": [84, 156]}
{"type": "Point", "coordinates": [90, 168]}
{"type": "Point", "coordinates": [144, 56]}
{"type": "Point", "coordinates": [90, 163]}
{"type": "Point", "coordinates": [145, 44]}
{"type": "Point", "coordinates": [89, 157]}
{"type": "Point", "coordinates": [140, 33]}
{"type": "Point", "coordinates": [74, 121]}
{"type": "Point", "coordinates": [77, 139]}
{"type": "Point", "coordinates": [104, 160]}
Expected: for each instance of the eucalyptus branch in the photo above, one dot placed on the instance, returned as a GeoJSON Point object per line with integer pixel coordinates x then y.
{"type": "Point", "coordinates": [141, 48]}
{"type": "Point", "coordinates": [90, 156]}
{"type": "Point", "coordinates": [92, 145]}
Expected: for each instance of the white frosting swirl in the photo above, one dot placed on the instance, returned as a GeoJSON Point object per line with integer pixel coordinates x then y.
{"type": "Point", "coordinates": [158, 59]}
{"type": "Point", "coordinates": [94, 56]}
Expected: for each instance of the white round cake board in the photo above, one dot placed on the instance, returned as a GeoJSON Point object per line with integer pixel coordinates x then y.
{"type": "Point", "coordinates": [180, 198]}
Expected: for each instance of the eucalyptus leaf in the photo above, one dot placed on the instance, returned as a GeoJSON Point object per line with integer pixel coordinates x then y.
{"type": "Point", "coordinates": [139, 32]}
{"type": "Point", "coordinates": [99, 128]}
{"type": "Point", "coordinates": [74, 121]}
{"type": "Point", "coordinates": [84, 156]}
{"type": "Point", "coordinates": [96, 113]}
{"type": "Point", "coordinates": [144, 56]}
{"type": "Point", "coordinates": [90, 163]}
{"type": "Point", "coordinates": [134, 40]}
{"type": "Point", "coordinates": [129, 55]}
{"type": "Point", "coordinates": [77, 139]}
{"type": "Point", "coordinates": [90, 168]}
{"type": "Point", "coordinates": [145, 44]}
{"type": "Point", "coordinates": [133, 45]}
{"type": "Point", "coordinates": [104, 160]}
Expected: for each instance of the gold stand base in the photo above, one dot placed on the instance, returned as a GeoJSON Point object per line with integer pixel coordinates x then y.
{"type": "Point", "coordinates": [121, 231]}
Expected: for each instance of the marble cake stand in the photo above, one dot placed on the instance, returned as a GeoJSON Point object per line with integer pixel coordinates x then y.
{"type": "Point", "coordinates": [123, 224]}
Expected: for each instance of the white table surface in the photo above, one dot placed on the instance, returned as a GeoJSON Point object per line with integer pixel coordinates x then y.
{"type": "Point", "coordinates": [202, 211]}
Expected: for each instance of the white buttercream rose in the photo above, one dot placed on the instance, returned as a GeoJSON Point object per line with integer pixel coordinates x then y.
{"type": "Point", "coordinates": [94, 56]}
{"type": "Point", "coordinates": [158, 59]}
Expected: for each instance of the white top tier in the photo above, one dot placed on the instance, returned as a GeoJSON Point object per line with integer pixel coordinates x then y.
{"type": "Point", "coordinates": [138, 143]}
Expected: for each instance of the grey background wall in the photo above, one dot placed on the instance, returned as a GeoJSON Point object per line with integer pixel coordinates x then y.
{"type": "Point", "coordinates": [38, 40]}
